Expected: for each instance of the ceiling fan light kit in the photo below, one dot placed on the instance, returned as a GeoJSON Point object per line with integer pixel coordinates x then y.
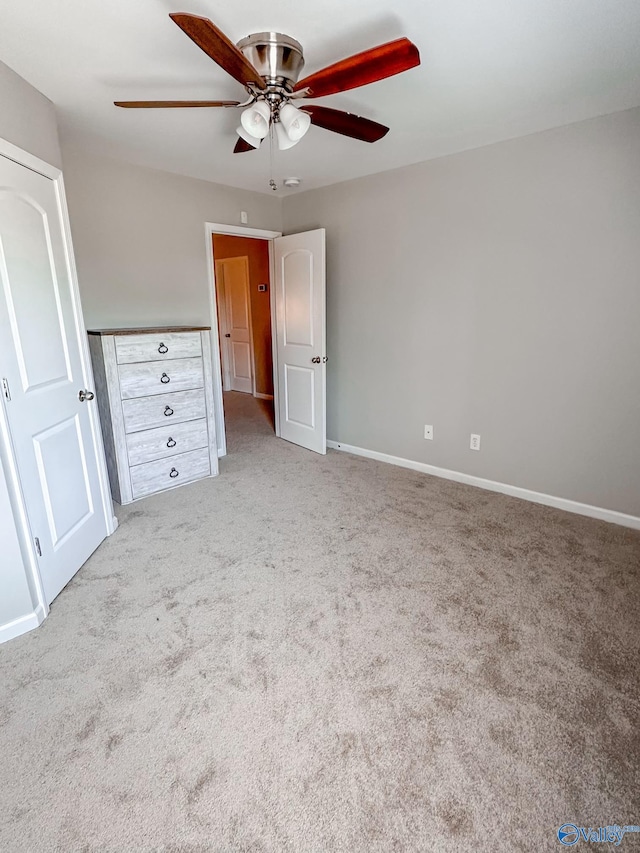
{"type": "Point", "coordinates": [269, 64]}
{"type": "Point", "coordinates": [290, 123]}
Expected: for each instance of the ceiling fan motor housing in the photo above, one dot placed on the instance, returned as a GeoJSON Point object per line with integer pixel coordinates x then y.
{"type": "Point", "coordinates": [277, 57]}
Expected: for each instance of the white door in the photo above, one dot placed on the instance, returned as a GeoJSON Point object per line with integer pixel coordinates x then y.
{"type": "Point", "coordinates": [301, 338]}
{"type": "Point", "coordinates": [232, 276]}
{"type": "Point", "coordinates": [42, 370]}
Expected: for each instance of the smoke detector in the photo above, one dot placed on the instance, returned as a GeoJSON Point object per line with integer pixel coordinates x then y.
{"type": "Point", "coordinates": [292, 182]}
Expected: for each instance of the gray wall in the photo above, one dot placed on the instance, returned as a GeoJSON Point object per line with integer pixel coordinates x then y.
{"type": "Point", "coordinates": [496, 291]}
{"type": "Point", "coordinates": [139, 239]}
{"type": "Point", "coordinates": [27, 118]}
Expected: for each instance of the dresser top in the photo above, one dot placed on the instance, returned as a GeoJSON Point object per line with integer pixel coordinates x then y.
{"type": "Point", "coordinates": [148, 330]}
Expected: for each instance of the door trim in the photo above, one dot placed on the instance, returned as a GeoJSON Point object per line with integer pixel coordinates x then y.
{"type": "Point", "coordinates": [211, 228]}
{"type": "Point", "coordinates": [16, 496]}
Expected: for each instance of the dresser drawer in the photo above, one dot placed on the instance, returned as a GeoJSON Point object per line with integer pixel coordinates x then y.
{"type": "Point", "coordinates": [165, 473]}
{"type": "Point", "coordinates": [163, 409]}
{"type": "Point", "coordinates": [157, 347]}
{"type": "Point", "coordinates": [144, 378]}
{"type": "Point", "coordinates": [150, 444]}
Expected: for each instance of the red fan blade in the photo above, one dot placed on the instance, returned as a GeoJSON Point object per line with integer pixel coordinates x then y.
{"type": "Point", "coordinates": [347, 124]}
{"type": "Point", "coordinates": [361, 69]}
{"type": "Point", "coordinates": [145, 105]}
{"type": "Point", "coordinates": [217, 46]}
{"type": "Point", "coordinates": [242, 146]}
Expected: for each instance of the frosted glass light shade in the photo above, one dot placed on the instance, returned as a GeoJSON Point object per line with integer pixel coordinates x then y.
{"type": "Point", "coordinates": [255, 119]}
{"type": "Point", "coordinates": [247, 137]}
{"type": "Point", "coordinates": [284, 141]}
{"type": "Point", "coordinates": [295, 122]}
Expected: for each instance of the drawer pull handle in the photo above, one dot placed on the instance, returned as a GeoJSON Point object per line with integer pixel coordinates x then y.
{"type": "Point", "coordinates": [164, 379]}
{"type": "Point", "coordinates": [171, 442]}
{"type": "Point", "coordinates": [162, 348]}
{"type": "Point", "coordinates": [168, 411]}
{"type": "Point", "coordinates": [173, 473]}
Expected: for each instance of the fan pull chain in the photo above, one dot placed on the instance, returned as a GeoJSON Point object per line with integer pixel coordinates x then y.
{"type": "Point", "coordinates": [272, 183]}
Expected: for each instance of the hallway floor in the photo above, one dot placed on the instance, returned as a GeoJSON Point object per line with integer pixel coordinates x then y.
{"type": "Point", "coordinates": [324, 653]}
{"type": "Point", "coordinates": [249, 421]}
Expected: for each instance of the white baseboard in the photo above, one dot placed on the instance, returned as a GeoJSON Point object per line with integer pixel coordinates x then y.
{"type": "Point", "coordinates": [22, 625]}
{"type": "Point", "coordinates": [491, 485]}
{"type": "Point", "coordinates": [263, 396]}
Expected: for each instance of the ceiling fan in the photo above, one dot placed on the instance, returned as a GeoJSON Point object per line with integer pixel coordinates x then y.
{"type": "Point", "coordinates": [268, 66]}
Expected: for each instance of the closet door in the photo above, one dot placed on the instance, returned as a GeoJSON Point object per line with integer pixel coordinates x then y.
{"type": "Point", "coordinates": [42, 373]}
{"type": "Point", "coordinates": [233, 277]}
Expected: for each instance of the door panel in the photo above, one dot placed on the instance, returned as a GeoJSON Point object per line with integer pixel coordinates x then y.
{"type": "Point", "coordinates": [300, 338]}
{"type": "Point", "coordinates": [299, 395]}
{"type": "Point", "coordinates": [40, 355]}
{"type": "Point", "coordinates": [241, 360]}
{"type": "Point", "coordinates": [297, 269]}
{"type": "Point", "coordinates": [64, 483]}
{"type": "Point", "coordinates": [237, 297]}
{"type": "Point", "coordinates": [31, 292]}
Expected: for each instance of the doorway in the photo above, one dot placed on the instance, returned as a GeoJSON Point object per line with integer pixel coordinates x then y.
{"type": "Point", "coordinates": [297, 305]}
{"type": "Point", "coordinates": [243, 308]}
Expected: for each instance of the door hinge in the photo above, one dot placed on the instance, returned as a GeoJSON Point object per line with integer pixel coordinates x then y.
{"type": "Point", "coordinates": [38, 548]}
{"type": "Point", "coordinates": [5, 388]}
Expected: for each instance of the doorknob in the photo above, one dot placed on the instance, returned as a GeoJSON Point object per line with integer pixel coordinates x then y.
{"type": "Point", "coordinates": [227, 335]}
{"type": "Point", "coordinates": [315, 359]}
{"type": "Point", "coordinates": [85, 395]}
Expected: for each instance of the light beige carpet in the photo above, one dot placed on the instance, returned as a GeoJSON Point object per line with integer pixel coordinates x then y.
{"type": "Point", "coordinates": [328, 654]}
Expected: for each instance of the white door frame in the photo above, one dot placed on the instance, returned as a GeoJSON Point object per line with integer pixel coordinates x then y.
{"type": "Point", "coordinates": [211, 228]}
{"type": "Point", "coordinates": [27, 547]}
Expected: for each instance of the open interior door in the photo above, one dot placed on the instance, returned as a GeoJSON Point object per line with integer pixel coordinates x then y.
{"type": "Point", "coordinates": [300, 311]}
{"type": "Point", "coordinates": [44, 377]}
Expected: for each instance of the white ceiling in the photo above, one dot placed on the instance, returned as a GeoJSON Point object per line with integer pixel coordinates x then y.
{"type": "Point", "coordinates": [491, 70]}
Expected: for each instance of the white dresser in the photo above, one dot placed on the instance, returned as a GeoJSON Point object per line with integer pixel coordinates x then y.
{"type": "Point", "coordinates": [155, 396]}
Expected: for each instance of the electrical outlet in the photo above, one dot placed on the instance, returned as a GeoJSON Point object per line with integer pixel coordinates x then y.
{"type": "Point", "coordinates": [243, 217]}
{"type": "Point", "coordinates": [428, 431]}
{"type": "Point", "coordinates": [475, 442]}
